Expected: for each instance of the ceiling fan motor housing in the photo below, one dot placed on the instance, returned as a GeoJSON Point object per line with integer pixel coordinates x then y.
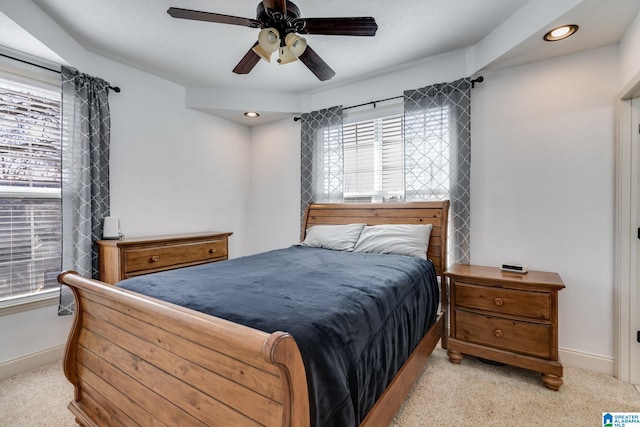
{"type": "Point", "coordinates": [285, 23]}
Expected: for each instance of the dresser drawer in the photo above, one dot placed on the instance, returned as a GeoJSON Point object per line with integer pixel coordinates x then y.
{"type": "Point", "coordinates": [137, 260]}
{"type": "Point", "coordinates": [533, 305]}
{"type": "Point", "coordinates": [522, 337]}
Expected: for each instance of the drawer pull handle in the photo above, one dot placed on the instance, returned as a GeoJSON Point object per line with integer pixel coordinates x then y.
{"type": "Point", "coordinates": [155, 258]}
{"type": "Point", "coordinates": [212, 250]}
{"type": "Point", "coordinates": [498, 301]}
{"type": "Point", "coordinates": [498, 333]}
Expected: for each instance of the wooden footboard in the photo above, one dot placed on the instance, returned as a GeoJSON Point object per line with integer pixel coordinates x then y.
{"type": "Point", "coordinates": [134, 360]}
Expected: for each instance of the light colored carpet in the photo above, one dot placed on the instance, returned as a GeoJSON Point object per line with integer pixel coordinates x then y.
{"type": "Point", "coordinates": [470, 394]}
{"type": "Point", "coordinates": [475, 393]}
{"type": "Point", "coordinates": [37, 398]}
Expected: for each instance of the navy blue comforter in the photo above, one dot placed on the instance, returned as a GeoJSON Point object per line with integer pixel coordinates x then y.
{"type": "Point", "coordinates": [356, 317]}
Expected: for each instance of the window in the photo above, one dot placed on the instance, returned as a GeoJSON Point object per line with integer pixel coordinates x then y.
{"type": "Point", "coordinates": [417, 149]}
{"type": "Point", "coordinates": [380, 167]}
{"type": "Point", "coordinates": [30, 188]}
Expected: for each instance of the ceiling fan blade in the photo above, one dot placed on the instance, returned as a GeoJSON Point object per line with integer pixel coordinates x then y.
{"type": "Point", "coordinates": [357, 26]}
{"type": "Point", "coordinates": [248, 61]}
{"type": "Point", "coordinates": [317, 66]}
{"type": "Point", "coordinates": [212, 17]}
{"type": "Point", "coordinates": [276, 5]}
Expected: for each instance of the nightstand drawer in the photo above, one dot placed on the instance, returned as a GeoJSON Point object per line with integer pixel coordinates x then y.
{"type": "Point", "coordinates": [151, 258]}
{"type": "Point", "coordinates": [522, 337]}
{"type": "Point", "coordinates": [533, 305]}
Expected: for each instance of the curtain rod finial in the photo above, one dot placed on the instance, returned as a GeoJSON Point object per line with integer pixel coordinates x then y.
{"type": "Point", "coordinates": [480, 79]}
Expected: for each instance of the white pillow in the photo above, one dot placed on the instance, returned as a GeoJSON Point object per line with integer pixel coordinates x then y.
{"type": "Point", "coordinates": [400, 239]}
{"type": "Point", "coordinates": [336, 237]}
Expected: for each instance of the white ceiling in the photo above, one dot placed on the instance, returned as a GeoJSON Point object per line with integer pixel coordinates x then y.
{"type": "Point", "coordinates": [193, 53]}
{"type": "Point", "coordinates": [201, 54]}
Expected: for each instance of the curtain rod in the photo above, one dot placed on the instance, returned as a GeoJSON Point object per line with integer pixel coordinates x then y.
{"type": "Point", "coordinates": [373, 102]}
{"type": "Point", "coordinates": [362, 105]}
{"type": "Point", "coordinates": [479, 79]}
{"type": "Point", "coordinates": [116, 89]}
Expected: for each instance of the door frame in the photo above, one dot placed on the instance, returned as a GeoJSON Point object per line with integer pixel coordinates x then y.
{"type": "Point", "coordinates": [627, 297]}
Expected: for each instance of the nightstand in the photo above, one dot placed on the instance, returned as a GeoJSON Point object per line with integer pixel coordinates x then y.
{"type": "Point", "coordinates": [506, 317]}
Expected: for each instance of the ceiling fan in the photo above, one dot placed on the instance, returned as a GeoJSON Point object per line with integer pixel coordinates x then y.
{"type": "Point", "coordinates": [280, 24]}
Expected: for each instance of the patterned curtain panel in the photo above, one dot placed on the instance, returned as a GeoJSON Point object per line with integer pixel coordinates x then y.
{"type": "Point", "coordinates": [437, 124]}
{"type": "Point", "coordinates": [322, 160]}
{"type": "Point", "coordinates": [86, 127]}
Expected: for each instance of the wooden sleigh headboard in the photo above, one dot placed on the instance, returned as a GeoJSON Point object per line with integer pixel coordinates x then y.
{"type": "Point", "coordinates": [435, 213]}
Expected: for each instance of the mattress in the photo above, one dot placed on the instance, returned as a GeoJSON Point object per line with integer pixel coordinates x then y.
{"type": "Point", "coordinates": [356, 317]}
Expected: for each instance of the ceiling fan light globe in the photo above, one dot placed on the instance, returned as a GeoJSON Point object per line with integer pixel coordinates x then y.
{"type": "Point", "coordinates": [296, 44]}
{"type": "Point", "coordinates": [262, 53]}
{"type": "Point", "coordinates": [269, 39]}
{"type": "Point", "coordinates": [285, 56]}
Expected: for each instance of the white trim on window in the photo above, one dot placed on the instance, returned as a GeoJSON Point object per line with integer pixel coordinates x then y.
{"type": "Point", "coordinates": [29, 302]}
{"type": "Point", "coordinates": [30, 192]}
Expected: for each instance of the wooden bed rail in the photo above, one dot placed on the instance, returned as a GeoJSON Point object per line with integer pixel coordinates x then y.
{"type": "Point", "coordinates": [137, 360]}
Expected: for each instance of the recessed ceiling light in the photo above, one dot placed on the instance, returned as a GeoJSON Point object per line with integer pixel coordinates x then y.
{"type": "Point", "coordinates": [560, 33]}
{"type": "Point", "coordinates": [251, 114]}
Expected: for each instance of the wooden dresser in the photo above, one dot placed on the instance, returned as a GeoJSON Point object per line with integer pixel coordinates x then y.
{"type": "Point", "coordinates": [121, 259]}
{"type": "Point", "coordinates": [506, 317]}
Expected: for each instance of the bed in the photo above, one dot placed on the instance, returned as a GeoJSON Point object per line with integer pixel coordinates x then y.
{"type": "Point", "coordinates": [138, 360]}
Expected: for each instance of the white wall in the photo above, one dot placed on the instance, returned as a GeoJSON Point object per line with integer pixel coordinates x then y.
{"type": "Point", "coordinates": [172, 170]}
{"type": "Point", "coordinates": [443, 68]}
{"type": "Point", "coordinates": [542, 176]}
{"type": "Point", "coordinates": [543, 183]}
{"type": "Point", "coordinates": [275, 186]}
{"type": "Point", "coordinates": [275, 170]}
{"type": "Point", "coordinates": [630, 52]}
{"type": "Point", "coordinates": [31, 338]}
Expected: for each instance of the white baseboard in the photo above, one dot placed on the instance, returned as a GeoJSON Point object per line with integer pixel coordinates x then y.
{"type": "Point", "coordinates": [588, 361]}
{"type": "Point", "coordinates": [30, 361]}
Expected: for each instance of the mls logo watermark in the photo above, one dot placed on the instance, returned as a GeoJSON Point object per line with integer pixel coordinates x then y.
{"type": "Point", "coordinates": [620, 419]}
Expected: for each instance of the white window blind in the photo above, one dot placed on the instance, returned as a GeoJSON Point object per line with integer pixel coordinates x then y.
{"type": "Point", "coordinates": [374, 160]}
{"type": "Point", "coordinates": [30, 179]}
